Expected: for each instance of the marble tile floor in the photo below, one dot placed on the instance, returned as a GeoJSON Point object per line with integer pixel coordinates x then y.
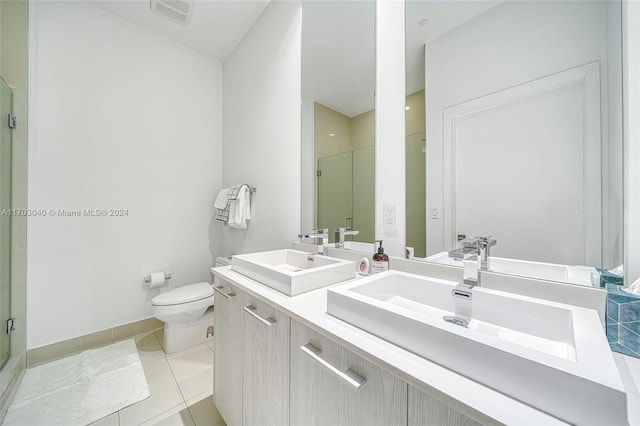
{"type": "Point", "coordinates": [181, 387]}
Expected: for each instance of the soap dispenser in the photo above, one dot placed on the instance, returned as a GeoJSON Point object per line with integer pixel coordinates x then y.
{"type": "Point", "coordinates": [380, 260]}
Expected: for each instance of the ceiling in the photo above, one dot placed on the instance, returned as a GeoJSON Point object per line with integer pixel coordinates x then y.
{"type": "Point", "coordinates": [443, 17]}
{"type": "Point", "coordinates": [338, 47]}
{"type": "Point", "coordinates": [215, 28]}
{"type": "Point", "coordinates": [338, 39]}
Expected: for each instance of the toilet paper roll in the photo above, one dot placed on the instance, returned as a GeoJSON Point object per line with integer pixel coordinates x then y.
{"type": "Point", "coordinates": [157, 279]}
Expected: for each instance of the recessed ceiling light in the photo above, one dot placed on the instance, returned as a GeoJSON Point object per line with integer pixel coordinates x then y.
{"type": "Point", "coordinates": [407, 108]}
{"type": "Point", "coordinates": [423, 22]}
{"type": "Point", "coordinates": [331, 135]}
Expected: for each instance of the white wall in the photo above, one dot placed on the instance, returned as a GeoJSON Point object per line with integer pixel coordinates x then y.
{"type": "Point", "coordinates": [612, 150]}
{"type": "Point", "coordinates": [511, 44]}
{"type": "Point", "coordinates": [262, 110]}
{"type": "Point", "coordinates": [120, 118]}
{"type": "Point", "coordinates": [390, 123]}
{"type": "Point", "coordinates": [516, 166]}
{"type": "Point", "coordinates": [631, 55]}
{"type": "Point", "coordinates": [307, 169]}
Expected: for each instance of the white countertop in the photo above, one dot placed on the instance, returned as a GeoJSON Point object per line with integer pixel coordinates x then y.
{"type": "Point", "coordinates": [465, 395]}
{"type": "Point", "coordinates": [629, 368]}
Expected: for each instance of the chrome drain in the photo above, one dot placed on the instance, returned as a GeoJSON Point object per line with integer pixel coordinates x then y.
{"type": "Point", "coordinates": [456, 320]}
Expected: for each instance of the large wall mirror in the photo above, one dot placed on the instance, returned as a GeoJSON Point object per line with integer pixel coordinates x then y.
{"type": "Point", "coordinates": [514, 109]}
{"type": "Point", "coordinates": [338, 116]}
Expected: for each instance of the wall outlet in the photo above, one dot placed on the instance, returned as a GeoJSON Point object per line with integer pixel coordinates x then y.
{"type": "Point", "coordinates": [390, 217]}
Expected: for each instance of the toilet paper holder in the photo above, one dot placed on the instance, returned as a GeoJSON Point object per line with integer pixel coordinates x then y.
{"type": "Point", "coordinates": [147, 279]}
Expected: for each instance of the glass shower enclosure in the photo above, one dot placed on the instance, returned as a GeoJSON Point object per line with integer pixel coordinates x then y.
{"type": "Point", "coordinates": [345, 193]}
{"type": "Point", "coordinates": [6, 102]}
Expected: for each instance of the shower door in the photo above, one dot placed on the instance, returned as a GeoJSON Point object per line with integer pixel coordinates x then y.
{"type": "Point", "coordinates": [6, 102]}
{"type": "Point", "coordinates": [335, 190]}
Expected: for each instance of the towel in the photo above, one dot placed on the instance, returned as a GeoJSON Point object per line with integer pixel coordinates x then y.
{"type": "Point", "coordinates": [240, 207]}
{"type": "Point", "coordinates": [222, 206]}
{"type": "Point", "coordinates": [222, 199]}
{"type": "Point", "coordinates": [233, 206]}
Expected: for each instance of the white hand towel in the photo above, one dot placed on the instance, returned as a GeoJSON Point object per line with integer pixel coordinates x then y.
{"type": "Point", "coordinates": [222, 199]}
{"type": "Point", "coordinates": [240, 209]}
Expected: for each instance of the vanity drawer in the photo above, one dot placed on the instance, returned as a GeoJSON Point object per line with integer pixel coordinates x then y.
{"type": "Point", "coordinates": [331, 385]}
{"type": "Point", "coordinates": [266, 364]}
{"type": "Point", "coordinates": [227, 361]}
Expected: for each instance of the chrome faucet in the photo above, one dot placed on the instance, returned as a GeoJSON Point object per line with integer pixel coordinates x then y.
{"type": "Point", "coordinates": [474, 254]}
{"type": "Point", "coordinates": [317, 236]}
{"type": "Point", "coordinates": [340, 233]}
{"type": "Point", "coordinates": [484, 244]}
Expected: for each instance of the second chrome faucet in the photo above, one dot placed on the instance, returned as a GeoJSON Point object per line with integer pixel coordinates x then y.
{"type": "Point", "coordinates": [474, 254]}
{"type": "Point", "coordinates": [340, 234]}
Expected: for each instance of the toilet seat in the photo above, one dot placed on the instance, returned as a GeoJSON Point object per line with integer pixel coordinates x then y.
{"type": "Point", "coordinates": [185, 294]}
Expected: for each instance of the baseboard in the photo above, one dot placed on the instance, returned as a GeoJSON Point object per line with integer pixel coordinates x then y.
{"type": "Point", "coordinates": [78, 344]}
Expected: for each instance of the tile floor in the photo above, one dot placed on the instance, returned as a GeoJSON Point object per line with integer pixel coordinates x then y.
{"type": "Point", "coordinates": [181, 387]}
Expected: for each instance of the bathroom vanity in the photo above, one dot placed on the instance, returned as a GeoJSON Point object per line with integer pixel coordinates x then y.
{"type": "Point", "coordinates": [285, 360]}
{"type": "Point", "coordinates": [275, 365]}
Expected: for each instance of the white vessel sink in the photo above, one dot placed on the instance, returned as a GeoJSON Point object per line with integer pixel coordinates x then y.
{"type": "Point", "coordinates": [546, 271]}
{"type": "Point", "coordinates": [307, 248]}
{"type": "Point", "coordinates": [551, 356]}
{"type": "Point", "coordinates": [368, 248]}
{"type": "Point", "coordinates": [291, 271]}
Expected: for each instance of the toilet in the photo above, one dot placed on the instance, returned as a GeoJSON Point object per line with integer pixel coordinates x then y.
{"type": "Point", "coordinates": [187, 313]}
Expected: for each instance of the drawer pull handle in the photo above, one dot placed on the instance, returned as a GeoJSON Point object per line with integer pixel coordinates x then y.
{"type": "Point", "coordinates": [219, 289]}
{"type": "Point", "coordinates": [350, 376]}
{"type": "Point", "coordinates": [264, 321]}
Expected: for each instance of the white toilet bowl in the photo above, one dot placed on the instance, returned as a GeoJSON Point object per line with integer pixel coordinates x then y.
{"type": "Point", "coordinates": [187, 313]}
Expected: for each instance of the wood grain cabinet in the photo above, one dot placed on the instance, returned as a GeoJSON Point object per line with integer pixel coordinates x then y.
{"type": "Point", "coordinates": [332, 386]}
{"type": "Point", "coordinates": [425, 410]}
{"type": "Point", "coordinates": [266, 364]}
{"type": "Point", "coordinates": [272, 370]}
{"type": "Point", "coordinates": [228, 346]}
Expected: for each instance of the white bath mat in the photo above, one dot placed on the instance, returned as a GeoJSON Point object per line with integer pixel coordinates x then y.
{"type": "Point", "coordinates": [80, 389]}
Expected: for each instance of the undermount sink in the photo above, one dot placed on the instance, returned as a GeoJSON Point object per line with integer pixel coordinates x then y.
{"type": "Point", "coordinates": [551, 356]}
{"type": "Point", "coordinates": [293, 272]}
{"type": "Point", "coordinates": [546, 271]}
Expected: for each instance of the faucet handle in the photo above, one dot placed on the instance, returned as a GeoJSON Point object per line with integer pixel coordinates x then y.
{"type": "Point", "coordinates": [489, 241]}
{"type": "Point", "coordinates": [470, 242]}
{"type": "Point", "coordinates": [320, 231]}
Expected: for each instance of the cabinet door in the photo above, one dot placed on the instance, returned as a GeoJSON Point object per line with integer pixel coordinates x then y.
{"type": "Point", "coordinates": [266, 364]}
{"type": "Point", "coordinates": [332, 386]}
{"type": "Point", "coordinates": [227, 364]}
{"type": "Point", "coordinates": [425, 410]}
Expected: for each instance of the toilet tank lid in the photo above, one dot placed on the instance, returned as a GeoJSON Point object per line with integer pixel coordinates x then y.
{"type": "Point", "coordinates": [184, 294]}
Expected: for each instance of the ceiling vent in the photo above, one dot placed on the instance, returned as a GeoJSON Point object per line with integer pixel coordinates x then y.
{"type": "Point", "coordinates": [176, 10]}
